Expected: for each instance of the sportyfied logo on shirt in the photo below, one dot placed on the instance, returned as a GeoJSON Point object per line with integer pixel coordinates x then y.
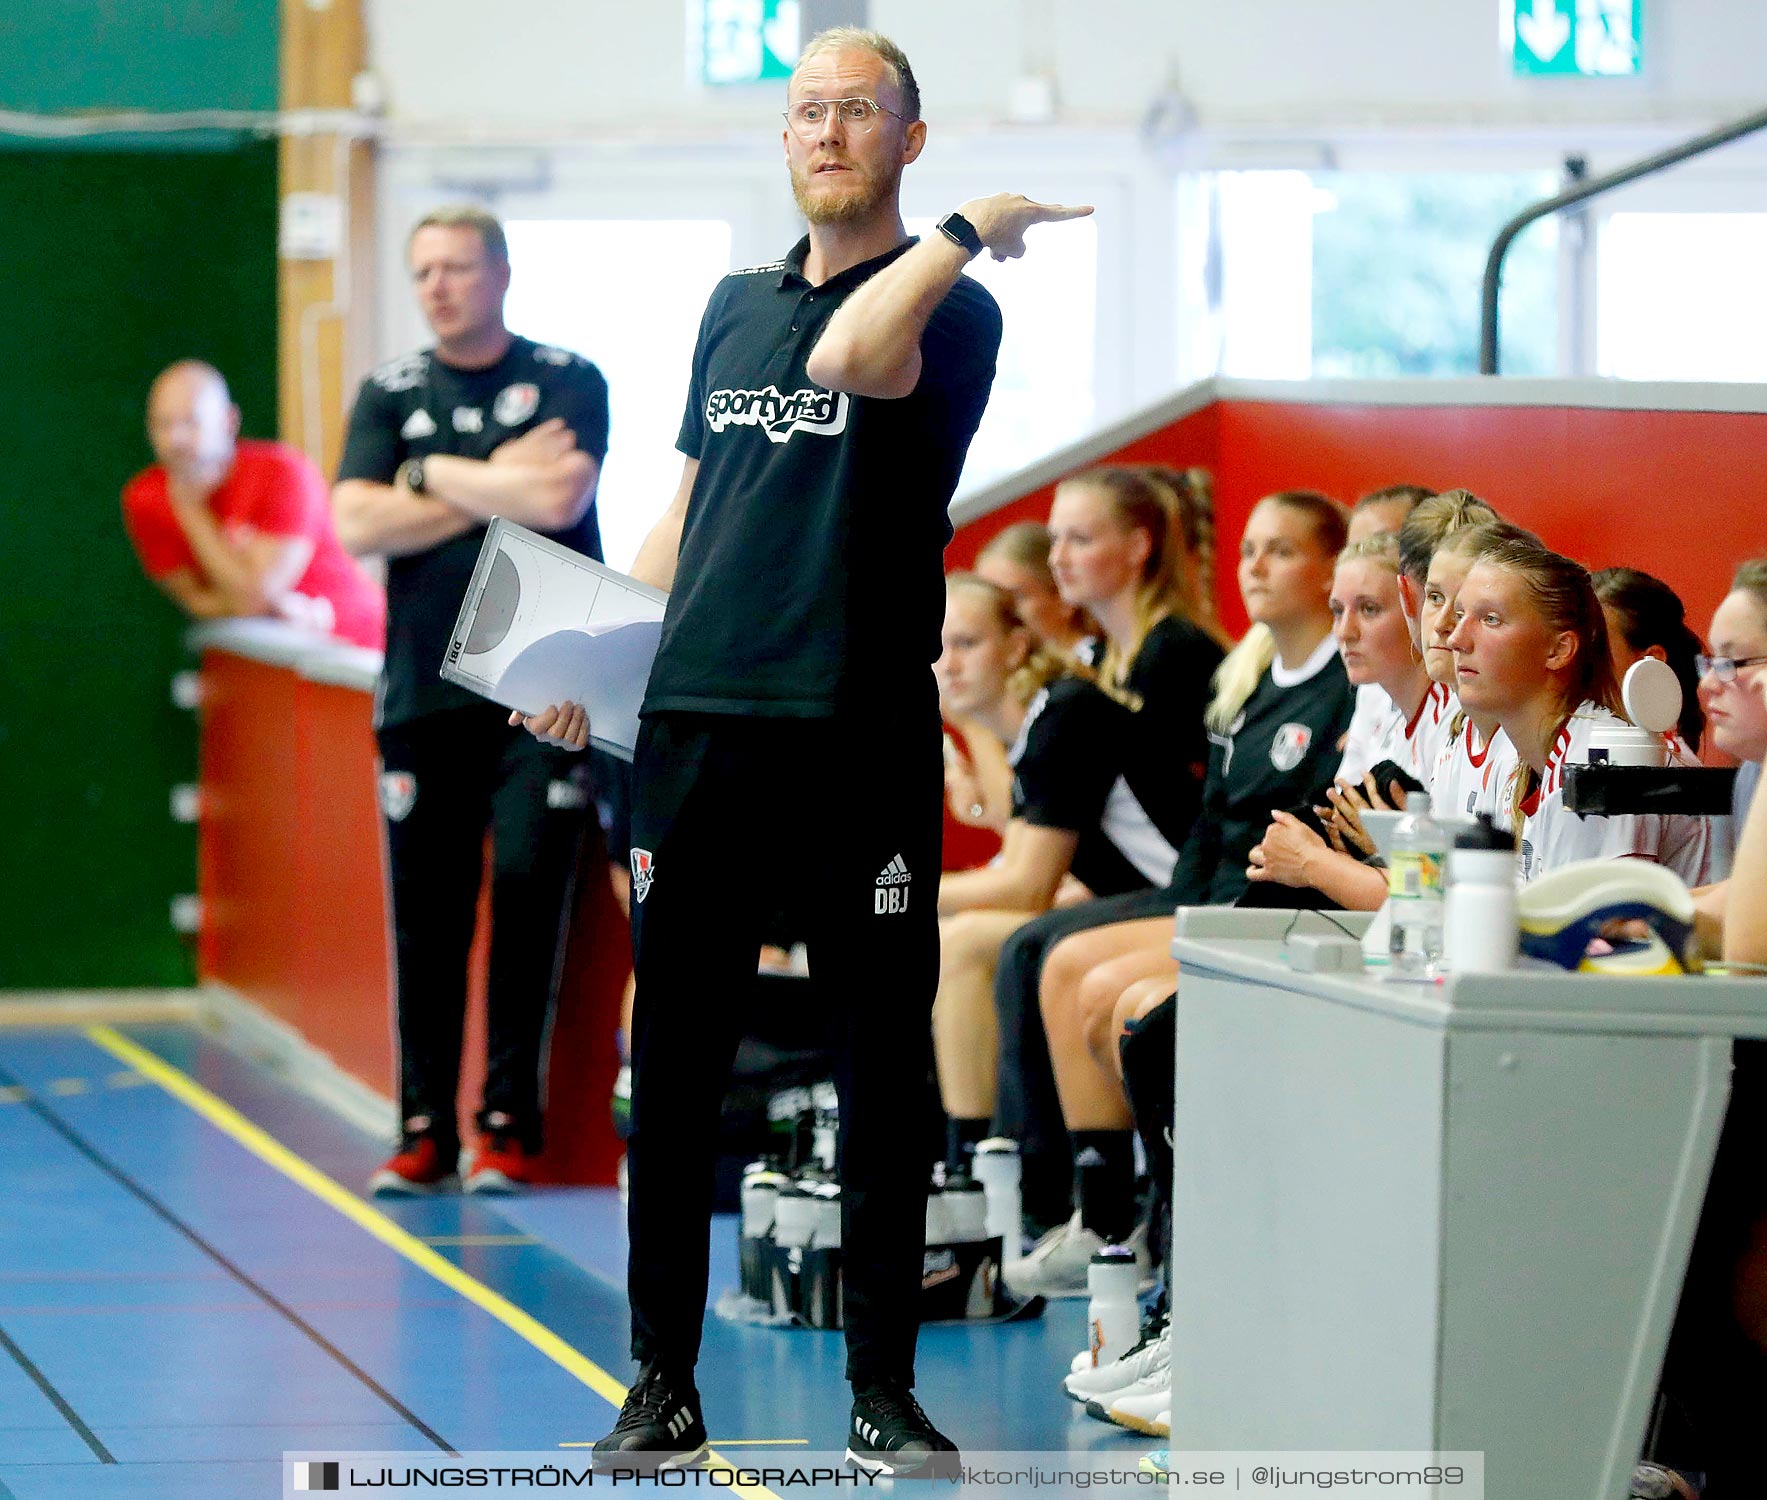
{"type": "Point", "coordinates": [808, 410]}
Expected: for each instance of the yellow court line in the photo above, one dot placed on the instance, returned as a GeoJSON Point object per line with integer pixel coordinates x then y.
{"type": "Point", "coordinates": [763, 1442]}
{"type": "Point", "coordinates": [272, 1152]}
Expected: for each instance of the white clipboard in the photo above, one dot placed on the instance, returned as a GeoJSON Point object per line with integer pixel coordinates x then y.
{"type": "Point", "coordinates": [541, 624]}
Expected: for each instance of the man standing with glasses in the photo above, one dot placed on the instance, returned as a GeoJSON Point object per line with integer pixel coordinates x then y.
{"type": "Point", "coordinates": [833, 396]}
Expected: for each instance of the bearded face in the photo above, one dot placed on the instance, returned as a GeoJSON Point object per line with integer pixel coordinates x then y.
{"type": "Point", "coordinates": [845, 172]}
{"type": "Point", "coordinates": [831, 190]}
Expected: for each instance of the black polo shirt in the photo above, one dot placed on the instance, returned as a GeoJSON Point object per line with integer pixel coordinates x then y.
{"type": "Point", "coordinates": [417, 405]}
{"type": "Point", "coordinates": [811, 576]}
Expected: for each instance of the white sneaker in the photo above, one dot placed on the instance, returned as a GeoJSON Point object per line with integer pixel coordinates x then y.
{"type": "Point", "coordinates": [1146, 1358]}
{"type": "Point", "coordinates": [1145, 1406]}
{"type": "Point", "coordinates": [1056, 1265]}
{"type": "Point", "coordinates": [1145, 1411]}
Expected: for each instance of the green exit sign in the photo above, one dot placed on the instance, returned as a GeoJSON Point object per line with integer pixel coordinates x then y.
{"type": "Point", "coordinates": [745, 41]}
{"type": "Point", "coordinates": [1591, 38]}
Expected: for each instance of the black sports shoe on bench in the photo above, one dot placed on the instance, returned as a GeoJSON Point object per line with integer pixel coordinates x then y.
{"type": "Point", "coordinates": [660, 1426]}
{"type": "Point", "coordinates": [892, 1437]}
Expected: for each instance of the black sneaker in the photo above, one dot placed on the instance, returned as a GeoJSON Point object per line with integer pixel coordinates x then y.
{"type": "Point", "coordinates": [892, 1436]}
{"type": "Point", "coordinates": [660, 1426]}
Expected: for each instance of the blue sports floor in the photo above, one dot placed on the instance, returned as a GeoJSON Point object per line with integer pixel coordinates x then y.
{"type": "Point", "coordinates": [191, 1284]}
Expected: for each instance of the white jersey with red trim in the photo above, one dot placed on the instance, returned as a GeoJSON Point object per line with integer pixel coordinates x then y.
{"type": "Point", "coordinates": [1553, 836]}
{"type": "Point", "coordinates": [1384, 733]}
{"type": "Point", "coordinates": [1373, 709]}
{"type": "Point", "coordinates": [1473, 776]}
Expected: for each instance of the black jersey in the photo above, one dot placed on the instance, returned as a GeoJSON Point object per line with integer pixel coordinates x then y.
{"type": "Point", "coordinates": [418, 405]}
{"type": "Point", "coordinates": [1167, 752]}
{"type": "Point", "coordinates": [1066, 763]}
{"type": "Point", "coordinates": [810, 572]}
{"type": "Point", "coordinates": [1282, 750]}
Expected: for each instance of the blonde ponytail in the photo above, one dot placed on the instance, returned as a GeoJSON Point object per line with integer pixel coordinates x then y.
{"type": "Point", "coordinates": [1238, 676]}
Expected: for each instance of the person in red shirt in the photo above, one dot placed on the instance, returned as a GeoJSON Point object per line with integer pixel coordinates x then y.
{"type": "Point", "coordinates": [228, 526]}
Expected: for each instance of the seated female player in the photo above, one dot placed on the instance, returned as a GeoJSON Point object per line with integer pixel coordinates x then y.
{"type": "Point", "coordinates": [1378, 650]}
{"type": "Point", "coordinates": [1017, 560]}
{"type": "Point", "coordinates": [1066, 737]}
{"type": "Point", "coordinates": [1645, 617]}
{"type": "Point", "coordinates": [1745, 935]}
{"type": "Point", "coordinates": [1452, 754]}
{"type": "Point", "coordinates": [1190, 495]}
{"type": "Point", "coordinates": [1736, 725]}
{"type": "Point", "coordinates": [1472, 773]}
{"type": "Point", "coordinates": [978, 781]}
{"type": "Point", "coordinates": [1419, 534]}
{"type": "Point", "coordinates": [1713, 1381]}
{"type": "Point", "coordinates": [1281, 705]}
{"type": "Point", "coordinates": [1118, 553]}
{"type": "Point", "coordinates": [1383, 510]}
{"type": "Point", "coordinates": [1531, 649]}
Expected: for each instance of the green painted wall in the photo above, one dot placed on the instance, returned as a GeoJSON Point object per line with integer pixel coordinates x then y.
{"type": "Point", "coordinates": [61, 55]}
{"type": "Point", "coordinates": [116, 260]}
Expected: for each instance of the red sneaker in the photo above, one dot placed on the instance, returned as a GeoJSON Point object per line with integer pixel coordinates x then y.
{"type": "Point", "coordinates": [418, 1169]}
{"type": "Point", "coordinates": [502, 1164]}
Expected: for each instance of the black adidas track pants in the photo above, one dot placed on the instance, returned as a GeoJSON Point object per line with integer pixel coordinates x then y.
{"type": "Point", "coordinates": [838, 820]}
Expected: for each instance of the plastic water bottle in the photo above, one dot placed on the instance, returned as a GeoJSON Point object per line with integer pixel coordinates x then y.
{"type": "Point", "coordinates": [996, 1166]}
{"type": "Point", "coordinates": [794, 1216]}
{"type": "Point", "coordinates": [1415, 862]}
{"type": "Point", "coordinates": [824, 1132]}
{"type": "Point", "coordinates": [938, 1216]}
{"type": "Point", "coordinates": [1113, 1316]}
{"type": "Point", "coordinates": [761, 1184]}
{"type": "Point", "coordinates": [1480, 934]}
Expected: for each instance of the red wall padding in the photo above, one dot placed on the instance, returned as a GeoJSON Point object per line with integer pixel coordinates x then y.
{"type": "Point", "coordinates": [289, 867]}
{"type": "Point", "coordinates": [1680, 494]}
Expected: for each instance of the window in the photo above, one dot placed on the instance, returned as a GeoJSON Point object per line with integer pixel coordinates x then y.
{"type": "Point", "coordinates": [1044, 385]}
{"type": "Point", "coordinates": [627, 294]}
{"type": "Point", "coordinates": [1364, 274]}
{"type": "Point", "coordinates": [1676, 296]}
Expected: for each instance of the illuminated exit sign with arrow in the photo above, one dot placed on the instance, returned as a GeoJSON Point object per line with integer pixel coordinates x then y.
{"type": "Point", "coordinates": [1591, 38]}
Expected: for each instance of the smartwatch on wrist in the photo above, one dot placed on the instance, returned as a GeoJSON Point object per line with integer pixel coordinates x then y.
{"type": "Point", "coordinates": [961, 233]}
{"type": "Point", "coordinates": [411, 472]}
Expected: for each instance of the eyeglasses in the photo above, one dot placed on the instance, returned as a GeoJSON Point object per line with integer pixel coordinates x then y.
{"type": "Point", "coordinates": [1724, 668]}
{"type": "Point", "coordinates": [808, 116]}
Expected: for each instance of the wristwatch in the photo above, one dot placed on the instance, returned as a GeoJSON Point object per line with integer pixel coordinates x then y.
{"type": "Point", "coordinates": [961, 232]}
{"type": "Point", "coordinates": [411, 472]}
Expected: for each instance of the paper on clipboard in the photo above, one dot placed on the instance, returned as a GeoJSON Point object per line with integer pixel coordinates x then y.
{"type": "Point", "coordinates": [542, 624]}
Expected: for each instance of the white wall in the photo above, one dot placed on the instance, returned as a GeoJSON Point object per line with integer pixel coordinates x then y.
{"type": "Point", "coordinates": [461, 69]}
{"type": "Point", "coordinates": [582, 109]}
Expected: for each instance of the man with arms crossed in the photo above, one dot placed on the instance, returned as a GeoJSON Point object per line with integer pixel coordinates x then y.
{"type": "Point", "coordinates": [833, 396]}
{"type": "Point", "coordinates": [229, 526]}
{"type": "Point", "coordinates": [484, 424]}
